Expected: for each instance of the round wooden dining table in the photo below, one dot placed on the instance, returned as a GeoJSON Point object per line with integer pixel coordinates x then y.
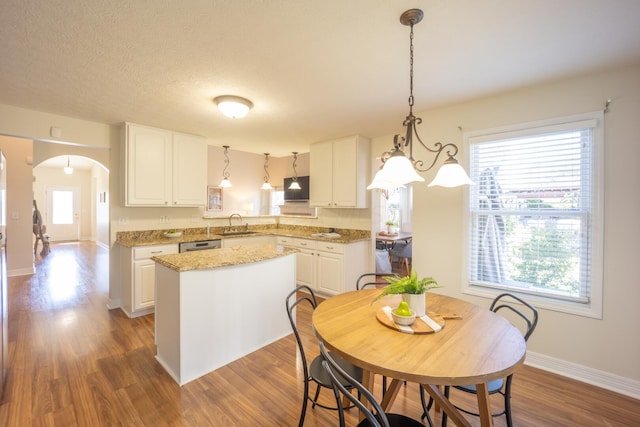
{"type": "Point", "coordinates": [474, 346]}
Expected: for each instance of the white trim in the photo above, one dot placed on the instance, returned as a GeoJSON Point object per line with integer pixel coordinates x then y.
{"type": "Point", "coordinates": [114, 303]}
{"type": "Point", "coordinates": [21, 272]}
{"type": "Point", "coordinates": [585, 374]}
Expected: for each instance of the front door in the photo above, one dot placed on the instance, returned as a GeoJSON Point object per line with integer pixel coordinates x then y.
{"type": "Point", "coordinates": [62, 215]}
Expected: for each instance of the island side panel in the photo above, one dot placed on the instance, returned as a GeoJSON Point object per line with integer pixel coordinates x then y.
{"type": "Point", "coordinates": [229, 312]}
{"type": "Point", "coordinates": [167, 320]}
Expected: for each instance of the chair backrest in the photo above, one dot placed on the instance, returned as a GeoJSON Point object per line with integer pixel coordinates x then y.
{"type": "Point", "coordinates": [369, 279]}
{"type": "Point", "coordinates": [527, 313]}
{"type": "Point", "coordinates": [403, 250]}
{"type": "Point", "coordinates": [292, 301]}
{"type": "Point", "coordinates": [377, 417]}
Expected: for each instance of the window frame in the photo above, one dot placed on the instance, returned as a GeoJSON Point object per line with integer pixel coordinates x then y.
{"type": "Point", "coordinates": [592, 308]}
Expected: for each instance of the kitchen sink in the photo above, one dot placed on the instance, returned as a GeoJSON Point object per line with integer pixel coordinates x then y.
{"type": "Point", "coordinates": [236, 233]}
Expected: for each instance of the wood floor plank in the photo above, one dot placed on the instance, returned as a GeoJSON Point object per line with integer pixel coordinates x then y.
{"type": "Point", "coordinates": [72, 362]}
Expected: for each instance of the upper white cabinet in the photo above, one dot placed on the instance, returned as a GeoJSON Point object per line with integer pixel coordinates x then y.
{"type": "Point", "coordinates": [339, 173]}
{"type": "Point", "coordinates": [163, 168]}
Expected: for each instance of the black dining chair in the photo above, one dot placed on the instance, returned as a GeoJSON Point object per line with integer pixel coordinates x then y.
{"type": "Point", "coordinates": [526, 318]}
{"type": "Point", "coordinates": [370, 280]}
{"type": "Point", "coordinates": [314, 372]}
{"type": "Point", "coordinates": [374, 417]}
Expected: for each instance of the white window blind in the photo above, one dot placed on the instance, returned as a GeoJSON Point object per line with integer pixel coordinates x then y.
{"type": "Point", "coordinates": [531, 212]}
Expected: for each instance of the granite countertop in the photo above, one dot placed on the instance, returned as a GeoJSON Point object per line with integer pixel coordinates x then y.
{"type": "Point", "coordinates": [156, 237]}
{"type": "Point", "coordinates": [204, 260]}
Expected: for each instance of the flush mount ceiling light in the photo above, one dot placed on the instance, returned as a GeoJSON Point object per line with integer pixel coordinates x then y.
{"type": "Point", "coordinates": [68, 169]}
{"type": "Point", "coordinates": [225, 183]}
{"type": "Point", "coordinates": [233, 106]}
{"type": "Point", "coordinates": [294, 181]}
{"type": "Point", "coordinates": [266, 185]}
{"type": "Point", "coordinates": [397, 168]}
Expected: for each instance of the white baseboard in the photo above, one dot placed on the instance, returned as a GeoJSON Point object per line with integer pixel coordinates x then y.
{"type": "Point", "coordinates": [21, 272]}
{"type": "Point", "coordinates": [113, 304]}
{"type": "Point", "coordinates": [606, 380]}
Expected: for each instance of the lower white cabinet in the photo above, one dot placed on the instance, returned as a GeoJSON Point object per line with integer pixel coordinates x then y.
{"type": "Point", "coordinates": [139, 277]}
{"type": "Point", "coordinates": [321, 265]}
{"type": "Point", "coordinates": [305, 259]}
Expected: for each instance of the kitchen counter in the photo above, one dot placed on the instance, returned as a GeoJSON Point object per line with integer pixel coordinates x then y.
{"type": "Point", "coordinates": [202, 260]}
{"type": "Point", "coordinates": [156, 237]}
{"type": "Point", "coordinates": [209, 316]}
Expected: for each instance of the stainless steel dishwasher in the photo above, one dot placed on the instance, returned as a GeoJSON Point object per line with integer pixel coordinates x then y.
{"type": "Point", "coordinates": [200, 246]}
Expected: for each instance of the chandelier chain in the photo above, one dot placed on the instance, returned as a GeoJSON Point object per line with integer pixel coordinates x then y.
{"type": "Point", "coordinates": [295, 160]}
{"type": "Point", "coordinates": [266, 165]}
{"type": "Point", "coordinates": [411, 68]}
{"type": "Point", "coordinates": [226, 174]}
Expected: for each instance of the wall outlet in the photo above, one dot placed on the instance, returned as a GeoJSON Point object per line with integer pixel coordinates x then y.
{"type": "Point", "coordinates": [123, 220]}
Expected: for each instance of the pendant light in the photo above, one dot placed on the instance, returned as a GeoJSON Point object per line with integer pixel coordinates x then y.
{"type": "Point", "coordinates": [225, 183]}
{"type": "Point", "coordinates": [266, 185]}
{"type": "Point", "coordinates": [397, 168]}
{"type": "Point", "coordinates": [294, 181]}
{"type": "Point", "coordinates": [68, 169]}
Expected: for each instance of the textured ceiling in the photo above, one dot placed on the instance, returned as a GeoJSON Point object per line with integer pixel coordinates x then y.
{"type": "Point", "coordinates": [314, 69]}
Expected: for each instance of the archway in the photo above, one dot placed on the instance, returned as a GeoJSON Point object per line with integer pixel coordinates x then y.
{"type": "Point", "coordinates": [81, 210]}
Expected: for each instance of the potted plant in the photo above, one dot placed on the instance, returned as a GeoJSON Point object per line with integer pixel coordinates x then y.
{"type": "Point", "coordinates": [390, 224]}
{"type": "Point", "coordinates": [411, 288]}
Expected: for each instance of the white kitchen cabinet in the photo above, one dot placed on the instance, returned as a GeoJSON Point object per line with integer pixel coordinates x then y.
{"type": "Point", "coordinates": [326, 267]}
{"type": "Point", "coordinates": [163, 168]}
{"type": "Point", "coordinates": [138, 277]}
{"type": "Point", "coordinates": [305, 259]}
{"type": "Point", "coordinates": [339, 173]}
{"type": "Point", "coordinates": [189, 170]}
{"type": "Point", "coordinates": [330, 272]}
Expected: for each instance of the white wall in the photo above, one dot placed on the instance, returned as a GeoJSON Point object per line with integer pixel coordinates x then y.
{"type": "Point", "coordinates": [610, 346]}
{"type": "Point", "coordinates": [18, 151]}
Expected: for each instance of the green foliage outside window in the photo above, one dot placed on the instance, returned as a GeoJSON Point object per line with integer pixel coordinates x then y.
{"type": "Point", "coordinates": [548, 260]}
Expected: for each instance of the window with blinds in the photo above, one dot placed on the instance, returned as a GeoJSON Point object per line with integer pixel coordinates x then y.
{"type": "Point", "coordinates": [534, 213]}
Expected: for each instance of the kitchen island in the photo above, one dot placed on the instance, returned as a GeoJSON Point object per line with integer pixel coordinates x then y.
{"type": "Point", "coordinates": [215, 306]}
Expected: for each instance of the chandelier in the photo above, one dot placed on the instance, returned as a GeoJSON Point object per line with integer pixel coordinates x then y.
{"type": "Point", "coordinates": [397, 169]}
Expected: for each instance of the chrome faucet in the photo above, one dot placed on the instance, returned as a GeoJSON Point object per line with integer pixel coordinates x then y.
{"type": "Point", "coordinates": [246, 226]}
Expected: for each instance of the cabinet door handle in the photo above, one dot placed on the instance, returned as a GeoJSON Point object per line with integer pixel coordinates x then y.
{"type": "Point", "coordinates": [156, 252]}
{"type": "Point", "coordinates": [329, 247]}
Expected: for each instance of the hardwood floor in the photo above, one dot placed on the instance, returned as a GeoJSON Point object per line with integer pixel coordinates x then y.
{"type": "Point", "coordinates": [72, 362]}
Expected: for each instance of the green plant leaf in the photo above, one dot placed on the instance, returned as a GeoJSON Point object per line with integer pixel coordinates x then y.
{"type": "Point", "coordinates": [407, 285]}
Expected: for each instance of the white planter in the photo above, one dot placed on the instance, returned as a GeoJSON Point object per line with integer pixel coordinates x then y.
{"type": "Point", "coordinates": [417, 303]}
